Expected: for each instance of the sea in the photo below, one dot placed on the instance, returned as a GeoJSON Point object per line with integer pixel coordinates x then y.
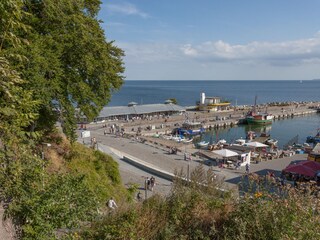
{"type": "Point", "coordinates": [238, 92]}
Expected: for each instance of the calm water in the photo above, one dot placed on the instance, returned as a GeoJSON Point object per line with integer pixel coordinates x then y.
{"type": "Point", "coordinates": [282, 130]}
{"type": "Point", "coordinates": [238, 92]}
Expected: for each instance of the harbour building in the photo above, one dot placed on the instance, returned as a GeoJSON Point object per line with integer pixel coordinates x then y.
{"type": "Point", "coordinates": [134, 110]}
{"type": "Point", "coordinates": [212, 103]}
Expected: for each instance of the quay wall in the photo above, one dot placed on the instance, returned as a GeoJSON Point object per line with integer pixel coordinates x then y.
{"type": "Point", "coordinates": [143, 165]}
{"type": "Point", "coordinates": [214, 120]}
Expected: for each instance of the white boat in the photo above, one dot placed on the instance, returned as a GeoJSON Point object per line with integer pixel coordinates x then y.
{"type": "Point", "coordinates": [240, 141]}
{"type": "Point", "coordinates": [222, 141]}
{"type": "Point", "coordinates": [185, 140]}
{"type": "Point", "coordinates": [203, 144]}
{"type": "Point", "coordinates": [271, 141]}
{"type": "Point", "coordinates": [176, 138]}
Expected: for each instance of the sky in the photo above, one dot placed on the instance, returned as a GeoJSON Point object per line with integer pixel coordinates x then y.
{"type": "Point", "coordinates": [215, 39]}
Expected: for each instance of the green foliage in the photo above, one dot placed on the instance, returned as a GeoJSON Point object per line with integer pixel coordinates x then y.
{"type": "Point", "coordinates": [70, 63]}
{"type": "Point", "coordinates": [173, 100]}
{"type": "Point", "coordinates": [194, 211]}
{"type": "Point", "coordinates": [102, 174]}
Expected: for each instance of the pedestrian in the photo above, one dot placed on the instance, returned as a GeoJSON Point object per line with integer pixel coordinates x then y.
{"type": "Point", "coordinates": [111, 204]}
{"type": "Point", "coordinates": [147, 183]}
{"type": "Point", "coordinates": [139, 196]}
{"type": "Point", "coordinates": [237, 165]}
{"type": "Point", "coordinates": [247, 168]}
{"type": "Point", "coordinates": [152, 183]}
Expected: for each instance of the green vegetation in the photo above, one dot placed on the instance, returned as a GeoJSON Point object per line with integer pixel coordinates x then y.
{"type": "Point", "coordinates": [173, 100]}
{"type": "Point", "coordinates": [54, 58]}
{"type": "Point", "coordinates": [64, 193]}
{"type": "Point", "coordinates": [203, 212]}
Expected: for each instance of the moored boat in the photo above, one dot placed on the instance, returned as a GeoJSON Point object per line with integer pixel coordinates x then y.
{"type": "Point", "coordinates": [202, 144]}
{"type": "Point", "coordinates": [189, 128]}
{"type": "Point", "coordinates": [259, 118]}
{"type": "Point", "coordinates": [254, 117]}
{"type": "Point", "coordinates": [271, 141]}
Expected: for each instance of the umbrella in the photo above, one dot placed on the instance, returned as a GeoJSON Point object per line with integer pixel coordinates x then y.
{"type": "Point", "coordinates": [305, 168]}
{"type": "Point", "coordinates": [256, 144]}
{"type": "Point", "coordinates": [225, 153]}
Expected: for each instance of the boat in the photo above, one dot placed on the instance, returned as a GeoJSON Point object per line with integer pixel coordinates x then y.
{"type": "Point", "coordinates": [259, 118]}
{"type": "Point", "coordinates": [314, 139]}
{"type": "Point", "coordinates": [190, 129]}
{"type": "Point", "coordinates": [185, 140]}
{"type": "Point", "coordinates": [202, 144]}
{"type": "Point", "coordinates": [176, 138]}
{"type": "Point", "coordinates": [254, 117]}
{"type": "Point", "coordinates": [240, 141]}
{"type": "Point", "coordinates": [271, 141]}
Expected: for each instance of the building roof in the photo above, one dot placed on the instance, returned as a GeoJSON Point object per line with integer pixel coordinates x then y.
{"type": "Point", "coordinates": [139, 109]}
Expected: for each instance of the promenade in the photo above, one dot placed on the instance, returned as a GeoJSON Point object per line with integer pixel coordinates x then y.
{"type": "Point", "coordinates": [157, 157]}
{"type": "Point", "coordinates": [152, 155]}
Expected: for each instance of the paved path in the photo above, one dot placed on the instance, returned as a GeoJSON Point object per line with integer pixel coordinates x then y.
{"type": "Point", "coordinates": [159, 157]}
{"type": "Point", "coordinates": [131, 174]}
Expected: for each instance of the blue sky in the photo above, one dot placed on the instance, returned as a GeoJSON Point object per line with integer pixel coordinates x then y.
{"type": "Point", "coordinates": [216, 40]}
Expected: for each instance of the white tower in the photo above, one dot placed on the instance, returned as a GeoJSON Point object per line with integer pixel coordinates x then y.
{"type": "Point", "coordinates": [202, 98]}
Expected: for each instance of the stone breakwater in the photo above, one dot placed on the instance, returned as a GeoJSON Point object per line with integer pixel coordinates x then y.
{"type": "Point", "coordinates": [219, 119]}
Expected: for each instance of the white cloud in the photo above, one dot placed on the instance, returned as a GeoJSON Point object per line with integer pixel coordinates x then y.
{"type": "Point", "coordinates": [150, 52]}
{"type": "Point", "coordinates": [284, 53]}
{"type": "Point", "coordinates": [126, 9]}
{"type": "Point", "coordinates": [297, 59]}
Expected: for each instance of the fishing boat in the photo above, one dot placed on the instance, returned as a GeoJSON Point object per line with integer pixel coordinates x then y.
{"type": "Point", "coordinates": [254, 117]}
{"type": "Point", "coordinates": [189, 128]}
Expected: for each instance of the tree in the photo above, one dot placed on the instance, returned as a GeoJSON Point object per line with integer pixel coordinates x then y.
{"type": "Point", "coordinates": [71, 64]}
{"type": "Point", "coordinates": [173, 100]}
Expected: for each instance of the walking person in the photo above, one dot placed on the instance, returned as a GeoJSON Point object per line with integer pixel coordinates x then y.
{"type": "Point", "coordinates": [139, 196]}
{"type": "Point", "coordinates": [152, 183]}
{"type": "Point", "coordinates": [147, 183]}
{"type": "Point", "coordinates": [247, 168]}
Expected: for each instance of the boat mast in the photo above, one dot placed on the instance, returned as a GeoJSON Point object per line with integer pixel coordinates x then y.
{"type": "Point", "coordinates": [255, 104]}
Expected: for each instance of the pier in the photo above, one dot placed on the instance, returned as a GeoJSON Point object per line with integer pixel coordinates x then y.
{"type": "Point", "coordinates": [210, 120]}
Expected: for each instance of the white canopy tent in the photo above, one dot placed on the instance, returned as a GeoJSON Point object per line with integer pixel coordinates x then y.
{"type": "Point", "coordinates": [225, 153]}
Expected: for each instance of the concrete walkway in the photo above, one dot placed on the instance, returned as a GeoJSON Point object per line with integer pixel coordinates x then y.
{"type": "Point", "coordinates": [159, 159]}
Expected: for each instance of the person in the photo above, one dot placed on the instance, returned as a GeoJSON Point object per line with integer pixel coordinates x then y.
{"type": "Point", "coordinates": [112, 204]}
{"type": "Point", "coordinates": [147, 183]}
{"type": "Point", "coordinates": [247, 168]}
{"type": "Point", "coordinates": [237, 165]}
{"type": "Point", "coordinates": [139, 196]}
{"type": "Point", "coordinates": [152, 182]}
